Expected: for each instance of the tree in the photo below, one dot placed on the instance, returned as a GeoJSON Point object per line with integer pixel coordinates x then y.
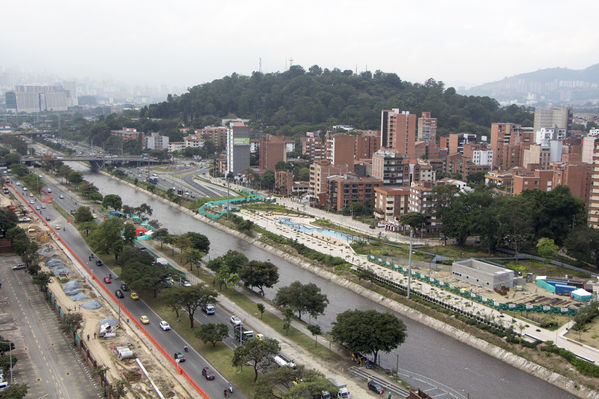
{"type": "Point", "coordinates": [143, 211]}
{"type": "Point", "coordinates": [161, 235]}
{"type": "Point", "coordinates": [198, 241]}
{"type": "Point", "coordinates": [255, 351]}
{"type": "Point", "coordinates": [413, 219]}
{"type": "Point", "coordinates": [547, 248]}
{"type": "Point", "coordinates": [83, 214]}
{"type": "Point", "coordinates": [259, 274]}
{"type": "Point", "coordinates": [31, 258]}
{"type": "Point", "coordinates": [112, 201]}
{"type": "Point", "coordinates": [129, 233]}
{"type": "Point", "coordinates": [15, 391]}
{"type": "Point", "coordinates": [287, 316]}
{"type": "Point", "coordinates": [75, 178]}
{"type": "Point", "coordinates": [368, 331]}
{"type": "Point", "coordinates": [173, 299]}
{"type": "Point", "coordinates": [194, 297]}
{"type": "Point", "coordinates": [235, 260]}
{"type": "Point", "coordinates": [8, 220]}
{"type": "Point", "coordinates": [302, 299]}
{"type": "Point", "coordinates": [515, 221]}
{"type": "Point", "coordinates": [212, 333]}
{"type": "Point", "coordinates": [192, 256]}
{"type": "Point", "coordinates": [106, 238]}
{"type": "Point", "coordinates": [42, 279]}
{"type": "Point", "coordinates": [316, 331]}
{"type": "Point", "coordinates": [118, 389]}
{"type": "Point", "coordinates": [261, 309]}
{"type": "Point", "coordinates": [87, 226]}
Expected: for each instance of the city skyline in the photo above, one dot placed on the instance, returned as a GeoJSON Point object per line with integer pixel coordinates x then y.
{"type": "Point", "coordinates": [460, 43]}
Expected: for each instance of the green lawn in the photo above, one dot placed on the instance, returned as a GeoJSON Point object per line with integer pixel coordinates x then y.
{"type": "Point", "coordinates": [453, 251]}
{"type": "Point", "coordinates": [541, 269]}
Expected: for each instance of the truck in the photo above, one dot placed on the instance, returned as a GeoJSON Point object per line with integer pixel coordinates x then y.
{"type": "Point", "coordinates": [341, 387]}
{"type": "Point", "coordinates": [245, 334]}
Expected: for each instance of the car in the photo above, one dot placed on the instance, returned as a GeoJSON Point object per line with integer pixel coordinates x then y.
{"type": "Point", "coordinates": [209, 309]}
{"type": "Point", "coordinates": [124, 287]}
{"type": "Point", "coordinates": [99, 263]}
{"type": "Point", "coordinates": [235, 320]}
{"type": "Point", "coordinates": [375, 387]}
{"type": "Point", "coordinates": [48, 190]}
{"type": "Point", "coordinates": [24, 188]}
{"type": "Point", "coordinates": [107, 280]}
{"type": "Point", "coordinates": [206, 372]}
{"type": "Point", "coordinates": [18, 183]}
{"type": "Point", "coordinates": [32, 201]}
{"type": "Point", "coordinates": [48, 218]}
{"type": "Point", "coordinates": [24, 220]}
{"type": "Point", "coordinates": [37, 208]}
{"type": "Point", "coordinates": [259, 336]}
{"type": "Point", "coordinates": [134, 295]}
{"type": "Point", "coordinates": [186, 283]}
{"type": "Point", "coordinates": [58, 227]}
{"type": "Point", "coordinates": [61, 196]}
{"type": "Point", "coordinates": [119, 294]}
{"type": "Point", "coordinates": [179, 357]}
{"type": "Point", "coordinates": [43, 206]}
{"type": "Point", "coordinates": [20, 266]}
{"type": "Point", "coordinates": [164, 325]}
{"type": "Point", "coordinates": [144, 319]}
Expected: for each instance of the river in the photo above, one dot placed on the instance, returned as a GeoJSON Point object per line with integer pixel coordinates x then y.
{"type": "Point", "coordinates": [425, 350]}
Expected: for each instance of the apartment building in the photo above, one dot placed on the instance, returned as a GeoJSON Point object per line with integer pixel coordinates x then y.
{"type": "Point", "coordinates": [216, 134]}
{"type": "Point", "coordinates": [560, 118]}
{"type": "Point", "coordinates": [457, 141]}
{"type": "Point", "coordinates": [238, 147]}
{"type": "Point", "coordinates": [366, 145]}
{"type": "Point", "coordinates": [126, 133]}
{"type": "Point", "coordinates": [319, 171]}
{"type": "Point", "coordinates": [388, 167]}
{"type": "Point", "coordinates": [156, 142]}
{"type": "Point", "coordinates": [283, 182]}
{"type": "Point", "coordinates": [343, 190]}
{"type": "Point", "coordinates": [398, 131]}
{"type": "Point", "coordinates": [272, 151]}
{"type": "Point", "coordinates": [312, 146]}
{"type": "Point", "coordinates": [577, 176]}
{"type": "Point", "coordinates": [593, 215]}
{"type": "Point", "coordinates": [505, 144]}
{"type": "Point", "coordinates": [427, 128]}
{"type": "Point", "coordinates": [390, 202]}
{"type": "Point", "coordinates": [538, 180]}
{"type": "Point", "coordinates": [339, 149]}
{"type": "Point", "coordinates": [422, 201]}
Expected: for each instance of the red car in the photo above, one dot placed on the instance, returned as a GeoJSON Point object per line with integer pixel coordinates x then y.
{"type": "Point", "coordinates": [206, 372]}
{"type": "Point", "coordinates": [107, 280]}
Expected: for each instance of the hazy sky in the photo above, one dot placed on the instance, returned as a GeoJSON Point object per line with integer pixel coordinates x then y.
{"type": "Point", "coordinates": [176, 42]}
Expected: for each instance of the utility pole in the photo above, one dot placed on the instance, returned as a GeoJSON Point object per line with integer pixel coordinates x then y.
{"type": "Point", "coordinates": [410, 262]}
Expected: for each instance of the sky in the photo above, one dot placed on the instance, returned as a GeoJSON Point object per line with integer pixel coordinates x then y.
{"type": "Point", "coordinates": [184, 43]}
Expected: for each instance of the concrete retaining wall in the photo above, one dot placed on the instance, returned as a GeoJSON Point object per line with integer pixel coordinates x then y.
{"type": "Point", "coordinates": [464, 337]}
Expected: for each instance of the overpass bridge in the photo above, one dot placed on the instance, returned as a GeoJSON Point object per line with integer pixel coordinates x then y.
{"type": "Point", "coordinates": [95, 160]}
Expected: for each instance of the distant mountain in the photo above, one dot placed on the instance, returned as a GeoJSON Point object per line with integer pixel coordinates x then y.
{"type": "Point", "coordinates": [557, 86]}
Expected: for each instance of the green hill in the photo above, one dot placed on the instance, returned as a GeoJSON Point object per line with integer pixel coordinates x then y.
{"type": "Point", "coordinates": [296, 100]}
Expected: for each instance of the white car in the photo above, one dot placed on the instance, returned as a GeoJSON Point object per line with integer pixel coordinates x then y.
{"type": "Point", "coordinates": [186, 283]}
{"type": "Point", "coordinates": [235, 320]}
{"type": "Point", "coordinates": [165, 326]}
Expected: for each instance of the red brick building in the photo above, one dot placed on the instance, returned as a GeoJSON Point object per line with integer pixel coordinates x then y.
{"type": "Point", "coordinates": [272, 151]}
{"type": "Point", "coordinates": [343, 190]}
{"type": "Point", "coordinates": [390, 202]}
{"type": "Point", "coordinates": [398, 131]}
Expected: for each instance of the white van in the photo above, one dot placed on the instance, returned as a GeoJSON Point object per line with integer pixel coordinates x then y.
{"type": "Point", "coordinates": [283, 361]}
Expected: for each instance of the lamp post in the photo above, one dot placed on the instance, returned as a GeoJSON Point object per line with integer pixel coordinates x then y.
{"type": "Point", "coordinates": [410, 262]}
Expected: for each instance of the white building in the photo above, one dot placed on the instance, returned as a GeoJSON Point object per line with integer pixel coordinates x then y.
{"type": "Point", "coordinates": [482, 273]}
{"type": "Point", "coordinates": [157, 142]}
{"type": "Point", "coordinates": [176, 146]}
{"type": "Point", "coordinates": [544, 135]}
{"type": "Point", "coordinates": [482, 157]}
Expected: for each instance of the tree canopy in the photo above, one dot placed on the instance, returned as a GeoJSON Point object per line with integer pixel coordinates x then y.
{"type": "Point", "coordinates": [259, 275]}
{"type": "Point", "coordinates": [368, 331]}
{"type": "Point", "coordinates": [302, 298]}
{"type": "Point", "coordinates": [296, 101]}
{"type": "Point", "coordinates": [254, 352]}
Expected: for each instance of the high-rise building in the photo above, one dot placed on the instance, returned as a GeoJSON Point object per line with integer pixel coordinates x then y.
{"type": "Point", "coordinates": [588, 148]}
{"type": "Point", "coordinates": [312, 146]}
{"type": "Point", "coordinates": [427, 128]}
{"type": "Point", "coordinates": [156, 142]}
{"type": "Point", "coordinates": [505, 143]}
{"type": "Point", "coordinates": [344, 190]}
{"type": "Point", "coordinates": [339, 149]}
{"type": "Point", "coordinates": [457, 141]}
{"type": "Point", "coordinates": [552, 118]}
{"type": "Point", "coordinates": [398, 131]}
{"type": "Point", "coordinates": [238, 147]}
{"type": "Point", "coordinates": [593, 219]}
{"type": "Point", "coordinates": [366, 145]}
{"type": "Point", "coordinates": [272, 151]}
{"type": "Point", "coordinates": [33, 99]}
{"type": "Point", "coordinates": [387, 166]}
{"type": "Point", "coordinates": [390, 202]}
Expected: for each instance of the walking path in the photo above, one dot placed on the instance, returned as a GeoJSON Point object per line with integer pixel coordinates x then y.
{"type": "Point", "coordinates": [334, 247]}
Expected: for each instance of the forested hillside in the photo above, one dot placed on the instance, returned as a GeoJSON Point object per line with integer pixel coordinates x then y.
{"type": "Point", "coordinates": [297, 100]}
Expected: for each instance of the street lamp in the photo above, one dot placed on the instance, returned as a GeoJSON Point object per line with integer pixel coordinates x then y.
{"type": "Point", "coordinates": [410, 262]}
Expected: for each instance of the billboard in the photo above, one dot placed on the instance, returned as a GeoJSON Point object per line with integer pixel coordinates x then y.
{"type": "Point", "coordinates": [241, 141]}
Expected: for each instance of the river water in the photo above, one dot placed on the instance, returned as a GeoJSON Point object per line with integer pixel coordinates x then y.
{"type": "Point", "coordinates": [425, 350]}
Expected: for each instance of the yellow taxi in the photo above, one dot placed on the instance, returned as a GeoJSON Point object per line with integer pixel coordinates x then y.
{"type": "Point", "coordinates": [134, 295]}
{"type": "Point", "coordinates": [144, 319]}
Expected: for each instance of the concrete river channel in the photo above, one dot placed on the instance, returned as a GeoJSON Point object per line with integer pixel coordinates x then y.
{"type": "Point", "coordinates": [425, 351]}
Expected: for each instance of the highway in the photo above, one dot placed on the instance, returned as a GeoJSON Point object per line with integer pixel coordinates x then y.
{"type": "Point", "coordinates": [169, 340]}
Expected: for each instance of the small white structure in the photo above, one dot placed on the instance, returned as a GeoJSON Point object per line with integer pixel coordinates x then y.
{"type": "Point", "coordinates": [482, 273]}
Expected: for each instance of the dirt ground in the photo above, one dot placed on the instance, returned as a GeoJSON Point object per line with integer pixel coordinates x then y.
{"type": "Point", "coordinates": [103, 350]}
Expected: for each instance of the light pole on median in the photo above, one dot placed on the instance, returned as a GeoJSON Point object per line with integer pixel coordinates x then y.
{"type": "Point", "coordinates": [10, 356]}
